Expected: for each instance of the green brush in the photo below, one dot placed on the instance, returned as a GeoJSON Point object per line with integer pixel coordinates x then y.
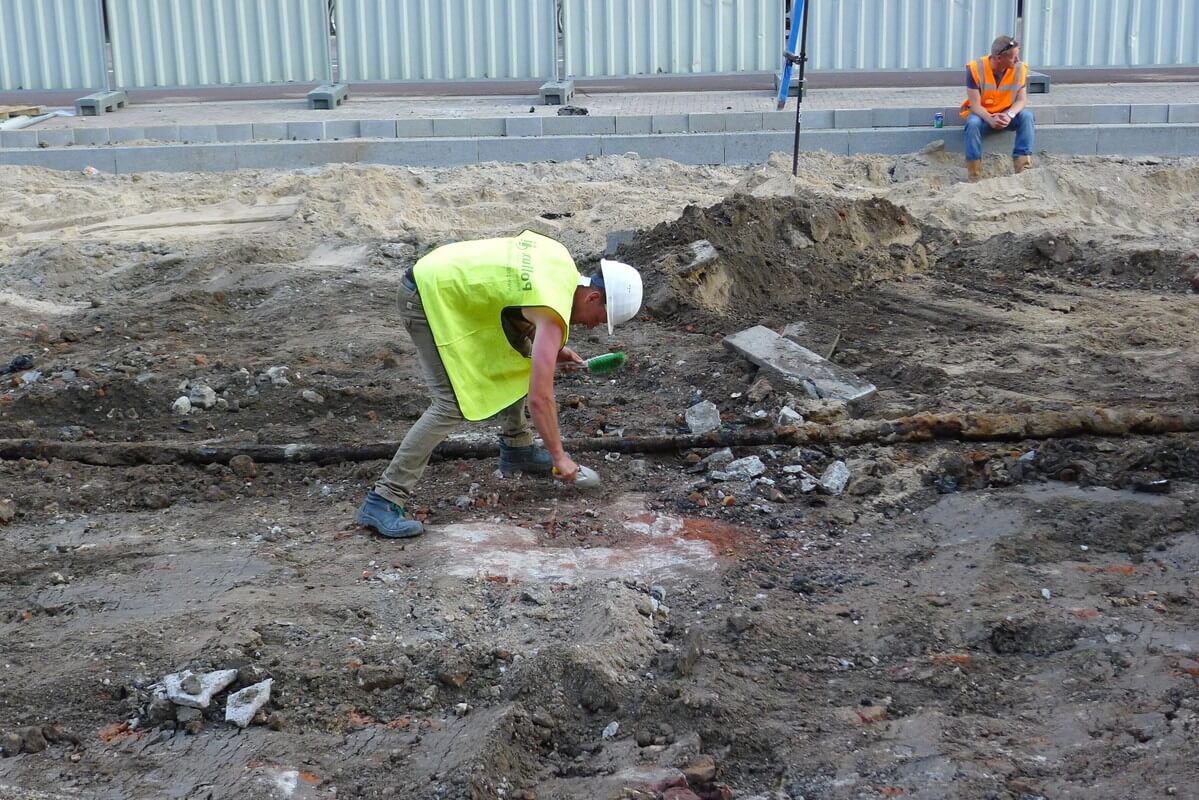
{"type": "Point", "coordinates": [605, 364]}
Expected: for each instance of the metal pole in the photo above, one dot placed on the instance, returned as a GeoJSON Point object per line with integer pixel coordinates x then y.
{"type": "Point", "coordinates": [802, 60]}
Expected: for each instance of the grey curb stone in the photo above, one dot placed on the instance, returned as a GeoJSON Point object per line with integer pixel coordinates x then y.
{"type": "Point", "coordinates": [118, 135]}
{"type": "Point", "coordinates": [468, 126]}
{"type": "Point", "coordinates": [523, 126]}
{"type": "Point", "coordinates": [578, 126]}
{"type": "Point", "coordinates": [56, 138]}
{"type": "Point", "coordinates": [845, 118]}
{"type": "Point", "coordinates": [18, 139]}
{"type": "Point", "coordinates": [669, 123]}
{"type": "Point", "coordinates": [343, 129]}
{"type": "Point", "coordinates": [190, 134]}
{"type": "Point", "coordinates": [637, 124]}
{"type": "Point", "coordinates": [306, 131]}
{"type": "Point", "coordinates": [695, 148]}
{"type": "Point", "coordinates": [743, 122]}
{"type": "Point", "coordinates": [1111, 114]}
{"type": "Point", "coordinates": [1075, 115]}
{"type": "Point", "coordinates": [707, 123]}
{"type": "Point", "coordinates": [270, 131]}
{"type": "Point", "coordinates": [891, 118]}
{"type": "Point", "coordinates": [525, 149]}
{"type": "Point", "coordinates": [1148, 113]}
{"type": "Point", "coordinates": [413, 128]}
{"type": "Point", "coordinates": [378, 129]}
{"type": "Point", "coordinates": [91, 136]}
{"type": "Point", "coordinates": [1184, 112]}
{"type": "Point", "coordinates": [175, 158]}
{"type": "Point", "coordinates": [1138, 140]}
{"type": "Point", "coordinates": [162, 133]}
{"type": "Point", "coordinates": [235, 133]}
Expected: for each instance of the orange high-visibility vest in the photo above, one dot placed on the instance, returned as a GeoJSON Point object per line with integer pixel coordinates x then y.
{"type": "Point", "coordinates": [997, 95]}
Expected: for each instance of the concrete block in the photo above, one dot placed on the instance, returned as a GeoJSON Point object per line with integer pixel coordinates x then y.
{"type": "Point", "coordinates": [798, 366]}
{"type": "Point", "coordinates": [1075, 115]}
{"type": "Point", "coordinates": [328, 96]}
{"type": "Point", "coordinates": [118, 135]}
{"type": "Point", "coordinates": [413, 128]}
{"type": "Point", "coordinates": [707, 123]}
{"type": "Point", "coordinates": [176, 158]}
{"type": "Point", "coordinates": [63, 137]}
{"type": "Point", "coordinates": [1080, 140]}
{"type": "Point", "coordinates": [523, 126]}
{"type": "Point", "coordinates": [846, 118]}
{"type": "Point", "coordinates": [72, 159]}
{"type": "Point", "coordinates": [558, 148]}
{"type": "Point", "coordinates": [1149, 113]}
{"type": "Point", "coordinates": [694, 148]}
{"type": "Point", "coordinates": [778, 120]}
{"type": "Point", "coordinates": [377, 129]}
{"type": "Point", "coordinates": [438, 152]}
{"type": "Point", "coordinates": [294, 155]}
{"type": "Point", "coordinates": [1000, 142]}
{"type": "Point", "coordinates": [1111, 114]}
{"type": "Point", "coordinates": [162, 133]}
{"type": "Point", "coordinates": [819, 119]}
{"type": "Point", "coordinates": [640, 124]}
{"type": "Point", "coordinates": [829, 141]}
{"type": "Point", "coordinates": [342, 129]}
{"type": "Point", "coordinates": [953, 117]}
{"type": "Point", "coordinates": [892, 118]}
{"type": "Point", "coordinates": [1188, 140]}
{"type": "Point", "coordinates": [1038, 82]}
{"type": "Point", "coordinates": [556, 93]}
{"type": "Point", "coordinates": [305, 131]}
{"type": "Point", "coordinates": [923, 117]}
{"type": "Point", "coordinates": [741, 122]}
{"type": "Point", "coordinates": [469, 126]}
{"type": "Point", "coordinates": [1140, 140]}
{"type": "Point", "coordinates": [894, 141]}
{"type": "Point", "coordinates": [1043, 115]}
{"type": "Point", "coordinates": [669, 123]}
{"type": "Point", "coordinates": [236, 133]}
{"type": "Point", "coordinates": [91, 136]}
{"type": "Point", "coordinates": [18, 138]}
{"type": "Point", "coordinates": [1183, 112]}
{"type": "Point", "coordinates": [99, 103]}
{"type": "Point", "coordinates": [195, 134]}
{"type": "Point", "coordinates": [756, 147]}
{"type": "Point", "coordinates": [270, 131]}
{"type": "Point", "coordinates": [579, 126]}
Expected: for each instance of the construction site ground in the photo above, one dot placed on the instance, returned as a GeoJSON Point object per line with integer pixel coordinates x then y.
{"type": "Point", "coordinates": [1010, 619]}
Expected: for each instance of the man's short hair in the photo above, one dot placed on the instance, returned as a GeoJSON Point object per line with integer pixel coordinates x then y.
{"type": "Point", "coordinates": [1002, 44]}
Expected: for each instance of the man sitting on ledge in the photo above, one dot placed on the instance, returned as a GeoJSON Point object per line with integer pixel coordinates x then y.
{"type": "Point", "coordinates": [996, 95]}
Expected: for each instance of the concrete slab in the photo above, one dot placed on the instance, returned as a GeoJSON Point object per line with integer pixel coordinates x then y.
{"type": "Point", "coordinates": [819, 378]}
{"type": "Point", "coordinates": [1184, 112]}
{"type": "Point", "coordinates": [162, 133]}
{"type": "Point", "coordinates": [377, 128]}
{"type": "Point", "coordinates": [1044, 115]}
{"type": "Point", "coordinates": [175, 158]}
{"type": "Point", "coordinates": [694, 148]}
{"type": "Point", "coordinates": [118, 135]}
{"type": "Point", "coordinates": [294, 155]}
{"type": "Point", "coordinates": [778, 120]}
{"type": "Point", "coordinates": [343, 129]}
{"type": "Point", "coordinates": [305, 131]}
{"type": "Point", "coordinates": [523, 126]}
{"type": "Point", "coordinates": [1079, 140]}
{"type": "Point", "coordinates": [270, 131]}
{"type": "Point", "coordinates": [194, 134]}
{"type": "Point", "coordinates": [56, 138]}
{"type": "Point", "coordinates": [18, 139]}
{"type": "Point", "coordinates": [1149, 113]}
{"type": "Point", "coordinates": [91, 136]}
{"type": "Point", "coordinates": [893, 118]}
{"type": "Point", "coordinates": [1111, 114]}
{"type": "Point", "coordinates": [1075, 115]}
{"type": "Point", "coordinates": [559, 148]}
{"type": "Point", "coordinates": [442, 151]}
{"type": "Point", "coordinates": [414, 128]}
{"type": "Point", "coordinates": [895, 141]}
{"type": "Point", "coordinates": [736, 123]}
{"type": "Point", "coordinates": [469, 126]}
{"type": "Point", "coordinates": [1142, 140]}
{"type": "Point", "coordinates": [669, 123]}
{"type": "Point", "coordinates": [846, 118]}
{"type": "Point", "coordinates": [640, 124]}
{"type": "Point", "coordinates": [707, 123]}
{"type": "Point", "coordinates": [236, 133]}
{"type": "Point", "coordinates": [579, 126]}
{"type": "Point", "coordinates": [72, 159]}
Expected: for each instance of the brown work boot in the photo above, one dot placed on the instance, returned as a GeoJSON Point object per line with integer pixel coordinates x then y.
{"type": "Point", "coordinates": [1021, 163]}
{"type": "Point", "coordinates": [974, 171]}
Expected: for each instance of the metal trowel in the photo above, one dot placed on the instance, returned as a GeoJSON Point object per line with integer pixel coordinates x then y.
{"type": "Point", "coordinates": [587, 478]}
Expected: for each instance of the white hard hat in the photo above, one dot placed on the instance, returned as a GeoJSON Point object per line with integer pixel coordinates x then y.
{"type": "Point", "coordinates": [622, 291]}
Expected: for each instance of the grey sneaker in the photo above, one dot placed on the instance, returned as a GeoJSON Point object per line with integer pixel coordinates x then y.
{"type": "Point", "coordinates": [387, 518]}
{"type": "Point", "coordinates": [532, 459]}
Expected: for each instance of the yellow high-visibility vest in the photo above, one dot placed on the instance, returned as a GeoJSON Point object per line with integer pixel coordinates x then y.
{"type": "Point", "coordinates": [996, 94]}
{"type": "Point", "coordinates": [465, 287]}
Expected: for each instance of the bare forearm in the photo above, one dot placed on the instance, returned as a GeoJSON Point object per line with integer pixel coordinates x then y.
{"type": "Point", "coordinates": [544, 411]}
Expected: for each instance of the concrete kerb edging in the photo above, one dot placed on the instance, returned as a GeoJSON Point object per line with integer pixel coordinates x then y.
{"type": "Point", "coordinates": [599, 125]}
{"type": "Point", "coordinates": [743, 147]}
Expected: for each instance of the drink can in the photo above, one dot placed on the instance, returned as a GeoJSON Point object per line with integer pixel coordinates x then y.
{"type": "Point", "coordinates": [938, 120]}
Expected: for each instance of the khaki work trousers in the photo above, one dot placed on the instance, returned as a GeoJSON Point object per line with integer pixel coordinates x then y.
{"type": "Point", "coordinates": [443, 416]}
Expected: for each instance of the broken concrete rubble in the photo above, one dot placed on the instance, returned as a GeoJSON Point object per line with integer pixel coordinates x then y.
{"type": "Point", "coordinates": [819, 378]}
{"type": "Point", "coordinates": [210, 683]}
{"type": "Point", "coordinates": [242, 706]}
{"type": "Point", "coordinates": [703, 417]}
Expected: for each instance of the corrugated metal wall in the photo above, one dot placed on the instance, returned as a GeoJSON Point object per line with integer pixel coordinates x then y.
{"type": "Point", "coordinates": [438, 40]}
{"type": "Point", "coordinates": [1119, 33]}
{"type": "Point", "coordinates": [904, 34]}
{"type": "Point", "coordinates": [680, 37]}
{"type": "Point", "coordinates": [218, 42]}
{"type": "Point", "coordinates": [51, 44]}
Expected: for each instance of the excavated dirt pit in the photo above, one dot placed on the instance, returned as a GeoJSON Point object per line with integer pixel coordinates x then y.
{"type": "Point", "coordinates": [1007, 619]}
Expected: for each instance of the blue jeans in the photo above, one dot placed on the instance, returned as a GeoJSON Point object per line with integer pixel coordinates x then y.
{"type": "Point", "coordinates": [1022, 124]}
